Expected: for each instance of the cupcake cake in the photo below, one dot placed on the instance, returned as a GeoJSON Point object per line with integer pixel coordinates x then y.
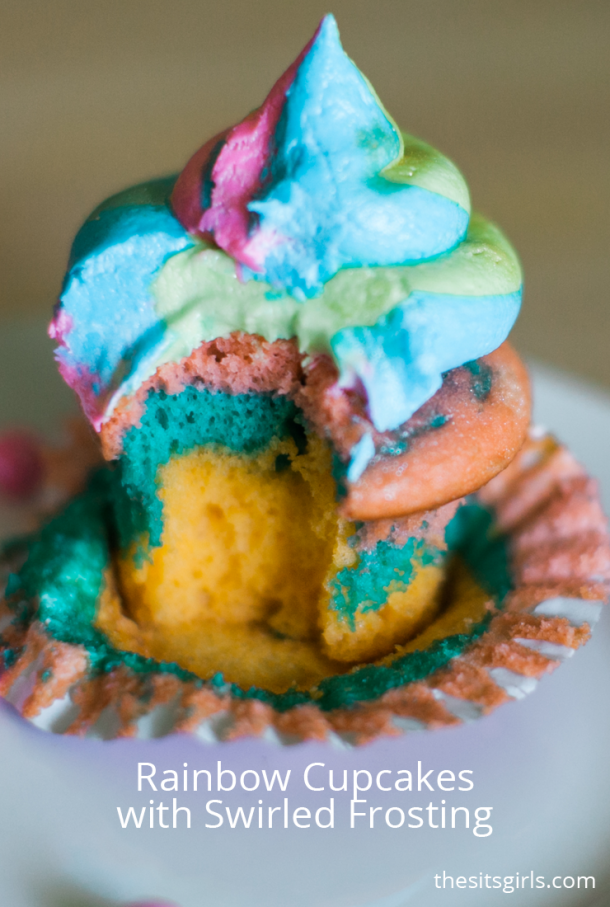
{"type": "Point", "coordinates": [321, 511]}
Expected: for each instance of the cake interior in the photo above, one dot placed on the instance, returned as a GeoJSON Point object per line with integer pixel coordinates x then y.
{"type": "Point", "coordinates": [232, 559]}
{"type": "Point", "coordinates": [68, 590]}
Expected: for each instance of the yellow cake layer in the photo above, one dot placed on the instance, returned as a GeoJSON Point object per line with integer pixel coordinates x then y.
{"type": "Point", "coordinates": [241, 583]}
{"type": "Point", "coordinates": [250, 656]}
{"type": "Point", "coordinates": [242, 542]}
{"type": "Point", "coordinates": [378, 631]}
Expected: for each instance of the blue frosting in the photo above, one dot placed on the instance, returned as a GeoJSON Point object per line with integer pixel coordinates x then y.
{"type": "Point", "coordinates": [114, 260]}
{"type": "Point", "coordinates": [326, 203]}
{"type": "Point", "coordinates": [400, 360]}
{"type": "Point", "coordinates": [360, 456]}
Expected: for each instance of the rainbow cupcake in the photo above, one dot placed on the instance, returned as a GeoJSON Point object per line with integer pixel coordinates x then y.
{"type": "Point", "coordinates": [294, 355]}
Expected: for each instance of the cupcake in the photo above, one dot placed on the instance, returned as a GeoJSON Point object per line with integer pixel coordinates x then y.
{"type": "Point", "coordinates": [321, 512]}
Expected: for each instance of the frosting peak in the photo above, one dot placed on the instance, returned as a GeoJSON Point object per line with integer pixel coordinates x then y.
{"type": "Point", "coordinates": [314, 219]}
{"type": "Point", "coordinates": [311, 181]}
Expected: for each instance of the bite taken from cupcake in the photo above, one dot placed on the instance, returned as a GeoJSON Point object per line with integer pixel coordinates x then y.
{"type": "Point", "coordinates": [294, 356]}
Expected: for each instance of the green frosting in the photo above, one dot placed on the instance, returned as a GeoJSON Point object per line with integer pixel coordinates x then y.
{"type": "Point", "coordinates": [422, 165]}
{"type": "Point", "coordinates": [191, 283]}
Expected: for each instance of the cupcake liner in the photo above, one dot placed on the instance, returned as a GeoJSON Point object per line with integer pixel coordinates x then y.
{"type": "Point", "coordinates": [560, 573]}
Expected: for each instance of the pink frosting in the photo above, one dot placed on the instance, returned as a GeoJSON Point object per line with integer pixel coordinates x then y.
{"type": "Point", "coordinates": [186, 195]}
{"type": "Point", "coordinates": [236, 176]}
{"type": "Point", "coordinates": [60, 326]}
{"type": "Point", "coordinates": [87, 386]}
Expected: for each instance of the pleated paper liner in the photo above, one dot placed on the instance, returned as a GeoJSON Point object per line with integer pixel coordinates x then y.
{"type": "Point", "coordinates": [524, 593]}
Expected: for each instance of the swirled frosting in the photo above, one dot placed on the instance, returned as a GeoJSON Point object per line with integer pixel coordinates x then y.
{"type": "Point", "coordinates": [312, 181]}
{"type": "Point", "coordinates": [314, 218]}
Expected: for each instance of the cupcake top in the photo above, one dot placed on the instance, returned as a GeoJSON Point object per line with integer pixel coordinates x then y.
{"type": "Point", "coordinates": [315, 218]}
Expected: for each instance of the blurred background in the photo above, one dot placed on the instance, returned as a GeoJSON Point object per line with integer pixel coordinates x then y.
{"type": "Point", "coordinates": [98, 94]}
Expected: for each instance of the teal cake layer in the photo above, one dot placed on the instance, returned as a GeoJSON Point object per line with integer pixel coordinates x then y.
{"type": "Point", "coordinates": [64, 574]}
{"type": "Point", "coordinates": [176, 424]}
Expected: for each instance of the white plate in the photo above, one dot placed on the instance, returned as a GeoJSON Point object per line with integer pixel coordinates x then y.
{"type": "Point", "coordinates": [541, 764]}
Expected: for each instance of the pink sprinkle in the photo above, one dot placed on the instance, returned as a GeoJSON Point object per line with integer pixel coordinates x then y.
{"type": "Point", "coordinates": [21, 465]}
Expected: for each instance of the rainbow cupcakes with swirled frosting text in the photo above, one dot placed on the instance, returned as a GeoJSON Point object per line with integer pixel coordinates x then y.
{"type": "Point", "coordinates": [294, 355]}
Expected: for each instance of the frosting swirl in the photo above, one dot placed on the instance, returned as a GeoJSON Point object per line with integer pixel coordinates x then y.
{"type": "Point", "coordinates": [314, 218]}
{"type": "Point", "coordinates": [320, 166]}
